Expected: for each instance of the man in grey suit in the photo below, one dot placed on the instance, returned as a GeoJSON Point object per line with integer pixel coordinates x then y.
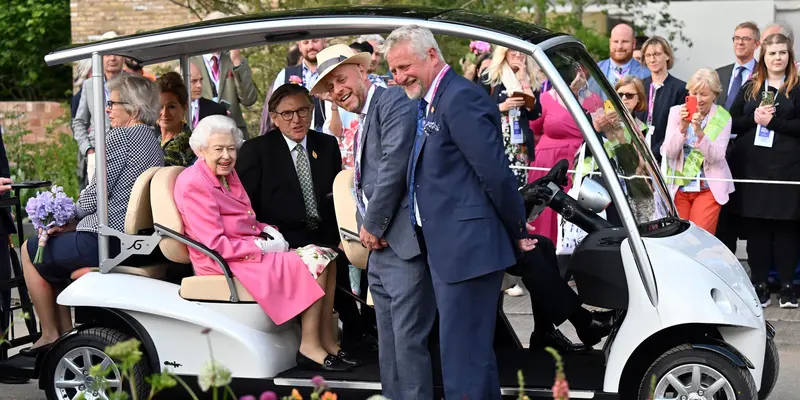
{"type": "Point", "coordinates": [399, 279]}
{"type": "Point", "coordinates": [82, 123]}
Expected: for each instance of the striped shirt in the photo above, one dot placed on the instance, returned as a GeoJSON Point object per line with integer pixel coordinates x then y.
{"type": "Point", "coordinates": [129, 152]}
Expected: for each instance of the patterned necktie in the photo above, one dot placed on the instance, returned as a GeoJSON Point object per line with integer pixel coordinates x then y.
{"type": "Point", "coordinates": [304, 175]}
{"type": "Point", "coordinates": [735, 86]}
{"type": "Point", "coordinates": [423, 105]}
{"type": "Point", "coordinates": [357, 163]}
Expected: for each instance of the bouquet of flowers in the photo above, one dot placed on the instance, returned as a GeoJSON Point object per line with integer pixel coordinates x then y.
{"type": "Point", "coordinates": [49, 209]}
{"type": "Point", "coordinates": [476, 48]}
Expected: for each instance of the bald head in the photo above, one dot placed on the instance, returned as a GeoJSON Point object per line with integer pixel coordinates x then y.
{"type": "Point", "coordinates": [196, 81]}
{"type": "Point", "coordinates": [621, 43]}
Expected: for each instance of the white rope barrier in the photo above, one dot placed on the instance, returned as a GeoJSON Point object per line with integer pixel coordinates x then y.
{"type": "Point", "coordinates": [756, 181]}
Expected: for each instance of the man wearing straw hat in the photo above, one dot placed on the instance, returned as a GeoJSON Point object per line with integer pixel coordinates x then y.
{"type": "Point", "coordinates": [399, 279]}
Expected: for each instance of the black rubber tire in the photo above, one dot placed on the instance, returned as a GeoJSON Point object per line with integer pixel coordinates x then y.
{"type": "Point", "coordinates": [740, 378]}
{"type": "Point", "coordinates": [772, 366]}
{"type": "Point", "coordinates": [97, 338]}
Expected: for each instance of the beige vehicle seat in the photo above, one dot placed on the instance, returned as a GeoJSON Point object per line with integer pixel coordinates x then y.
{"type": "Point", "coordinates": [138, 219]}
{"type": "Point", "coordinates": [165, 213]}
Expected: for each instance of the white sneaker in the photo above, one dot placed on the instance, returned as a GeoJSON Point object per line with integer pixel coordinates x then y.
{"type": "Point", "coordinates": [515, 291]}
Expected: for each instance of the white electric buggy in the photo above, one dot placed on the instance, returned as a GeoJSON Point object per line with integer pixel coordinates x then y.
{"type": "Point", "coordinates": [687, 312]}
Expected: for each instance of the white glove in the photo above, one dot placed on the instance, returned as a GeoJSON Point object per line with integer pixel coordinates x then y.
{"type": "Point", "coordinates": [269, 230]}
{"type": "Point", "coordinates": [272, 246]}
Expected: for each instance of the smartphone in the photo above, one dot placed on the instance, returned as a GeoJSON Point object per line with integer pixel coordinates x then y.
{"type": "Point", "coordinates": [608, 106]}
{"type": "Point", "coordinates": [768, 99]}
{"type": "Point", "coordinates": [691, 106]}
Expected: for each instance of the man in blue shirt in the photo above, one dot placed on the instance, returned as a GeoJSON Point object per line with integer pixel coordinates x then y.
{"type": "Point", "coordinates": [621, 45]}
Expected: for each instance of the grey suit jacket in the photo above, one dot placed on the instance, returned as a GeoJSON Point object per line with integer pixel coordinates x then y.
{"type": "Point", "coordinates": [725, 80]}
{"type": "Point", "coordinates": [386, 141]}
{"type": "Point", "coordinates": [236, 87]}
{"type": "Point", "coordinates": [81, 125]}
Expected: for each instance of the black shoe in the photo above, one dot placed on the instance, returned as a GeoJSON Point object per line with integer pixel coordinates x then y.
{"type": "Point", "coordinates": [764, 295]}
{"type": "Point", "coordinates": [788, 298]}
{"type": "Point", "coordinates": [557, 341]}
{"type": "Point", "coordinates": [599, 328]}
{"type": "Point", "coordinates": [35, 351]}
{"type": "Point", "coordinates": [331, 364]}
{"type": "Point", "coordinates": [348, 360]}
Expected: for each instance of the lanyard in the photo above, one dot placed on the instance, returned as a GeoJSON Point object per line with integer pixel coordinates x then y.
{"type": "Point", "coordinates": [438, 81]}
{"type": "Point", "coordinates": [651, 104]}
{"type": "Point", "coordinates": [619, 76]}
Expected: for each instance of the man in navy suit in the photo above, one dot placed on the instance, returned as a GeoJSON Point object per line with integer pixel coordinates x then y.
{"type": "Point", "coordinates": [464, 205]}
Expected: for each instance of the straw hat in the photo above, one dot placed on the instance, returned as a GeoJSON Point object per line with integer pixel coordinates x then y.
{"type": "Point", "coordinates": [331, 57]}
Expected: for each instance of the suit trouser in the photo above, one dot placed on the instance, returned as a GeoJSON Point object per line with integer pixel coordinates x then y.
{"type": "Point", "coordinates": [354, 324]}
{"type": "Point", "coordinates": [405, 309]}
{"type": "Point", "coordinates": [771, 242]}
{"type": "Point", "coordinates": [552, 300]}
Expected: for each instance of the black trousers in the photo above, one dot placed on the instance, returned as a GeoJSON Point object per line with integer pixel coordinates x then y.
{"type": "Point", "coordinates": [772, 242]}
{"type": "Point", "coordinates": [5, 275]}
{"type": "Point", "coordinates": [728, 227]}
{"type": "Point", "coordinates": [355, 323]}
{"type": "Point", "coordinates": [552, 300]}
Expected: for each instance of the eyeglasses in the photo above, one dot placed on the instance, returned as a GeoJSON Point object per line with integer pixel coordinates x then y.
{"type": "Point", "coordinates": [626, 96]}
{"type": "Point", "coordinates": [301, 112]}
{"type": "Point", "coordinates": [110, 103]}
{"type": "Point", "coordinates": [743, 39]}
{"type": "Point", "coordinates": [653, 55]}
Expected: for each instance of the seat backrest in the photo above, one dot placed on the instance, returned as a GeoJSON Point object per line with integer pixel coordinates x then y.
{"type": "Point", "coordinates": [345, 207]}
{"type": "Point", "coordinates": [165, 212]}
{"type": "Point", "coordinates": [140, 215]}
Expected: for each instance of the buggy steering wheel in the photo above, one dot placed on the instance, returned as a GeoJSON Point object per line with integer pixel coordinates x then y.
{"type": "Point", "coordinates": [538, 194]}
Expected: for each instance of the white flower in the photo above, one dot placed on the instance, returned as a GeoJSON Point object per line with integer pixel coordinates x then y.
{"type": "Point", "coordinates": [378, 397]}
{"type": "Point", "coordinates": [213, 374]}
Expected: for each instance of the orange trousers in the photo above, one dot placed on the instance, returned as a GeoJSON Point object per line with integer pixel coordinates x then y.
{"type": "Point", "coordinates": [700, 208]}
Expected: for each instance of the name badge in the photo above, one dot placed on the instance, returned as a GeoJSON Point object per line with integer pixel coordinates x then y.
{"type": "Point", "coordinates": [764, 137]}
{"type": "Point", "coordinates": [516, 130]}
{"type": "Point", "coordinates": [649, 135]}
{"type": "Point", "coordinates": [693, 186]}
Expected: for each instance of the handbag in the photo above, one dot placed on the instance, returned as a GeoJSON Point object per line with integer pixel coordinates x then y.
{"type": "Point", "coordinates": [569, 234]}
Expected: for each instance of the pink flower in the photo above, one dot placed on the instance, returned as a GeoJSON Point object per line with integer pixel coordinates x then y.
{"type": "Point", "coordinates": [560, 389]}
{"type": "Point", "coordinates": [296, 80]}
{"type": "Point", "coordinates": [268, 396]}
{"type": "Point", "coordinates": [248, 397]}
{"type": "Point", "coordinates": [479, 47]}
{"type": "Point", "coordinates": [318, 381]}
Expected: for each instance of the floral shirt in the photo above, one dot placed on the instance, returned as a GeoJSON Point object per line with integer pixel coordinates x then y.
{"type": "Point", "coordinates": [346, 144]}
{"type": "Point", "coordinates": [177, 151]}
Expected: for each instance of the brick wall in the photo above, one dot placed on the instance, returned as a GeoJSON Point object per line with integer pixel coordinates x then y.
{"type": "Point", "coordinates": [94, 17]}
{"type": "Point", "coordinates": [37, 115]}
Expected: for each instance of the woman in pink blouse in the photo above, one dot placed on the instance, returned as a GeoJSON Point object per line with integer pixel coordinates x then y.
{"type": "Point", "coordinates": [559, 138]}
{"type": "Point", "coordinates": [286, 283]}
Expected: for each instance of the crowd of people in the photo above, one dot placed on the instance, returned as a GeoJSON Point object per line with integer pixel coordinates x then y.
{"type": "Point", "coordinates": [442, 228]}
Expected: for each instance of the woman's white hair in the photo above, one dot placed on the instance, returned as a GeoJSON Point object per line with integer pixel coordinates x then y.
{"type": "Point", "coordinates": [421, 40]}
{"type": "Point", "coordinates": [212, 125]}
{"type": "Point", "coordinates": [82, 69]}
{"type": "Point", "coordinates": [140, 95]}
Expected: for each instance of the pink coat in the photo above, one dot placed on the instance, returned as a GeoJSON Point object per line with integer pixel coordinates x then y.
{"type": "Point", "coordinates": [715, 164]}
{"type": "Point", "coordinates": [224, 221]}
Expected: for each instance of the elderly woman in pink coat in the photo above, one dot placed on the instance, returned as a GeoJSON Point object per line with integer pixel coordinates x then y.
{"type": "Point", "coordinates": [216, 212]}
{"type": "Point", "coordinates": [694, 146]}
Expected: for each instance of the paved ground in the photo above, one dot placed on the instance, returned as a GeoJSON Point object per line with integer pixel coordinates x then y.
{"type": "Point", "coordinates": [787, 324]}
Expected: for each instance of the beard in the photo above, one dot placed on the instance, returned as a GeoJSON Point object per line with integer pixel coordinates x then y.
{"type": "Point", "coordinates": [415, 90]}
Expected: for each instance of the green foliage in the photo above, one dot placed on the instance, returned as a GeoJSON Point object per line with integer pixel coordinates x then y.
{"type": "Point", "coordinates": [55, 159]}
{"type": "Point", "coordinates": [32, 28]}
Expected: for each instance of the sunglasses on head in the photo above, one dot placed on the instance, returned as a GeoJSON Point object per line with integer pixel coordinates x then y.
{"type": "Point", "coordinates": [626, 96]}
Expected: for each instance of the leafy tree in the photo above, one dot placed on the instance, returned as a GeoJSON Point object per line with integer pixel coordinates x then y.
{"type": "Point", "coordinates": [268, 60]}
{"type": "Point", "coordinates": [31, 28]}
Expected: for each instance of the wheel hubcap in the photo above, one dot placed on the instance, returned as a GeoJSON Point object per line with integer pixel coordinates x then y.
{"type": "Point", "coordinates": [72, 379]}
{"type": "Point", "coordinates": [694, 382]}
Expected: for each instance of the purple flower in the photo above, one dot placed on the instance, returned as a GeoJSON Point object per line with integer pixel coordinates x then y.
{"type": "Point", "coordinates": [318, 381]}
{"type": "Point", "coordinates": [268, 396]}
{"type": "Point", "coordinates": [248, 397]}
{"type": "Point", "coordinates": [479, 47]}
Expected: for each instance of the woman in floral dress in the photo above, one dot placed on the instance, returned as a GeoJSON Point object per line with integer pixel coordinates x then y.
{"type": "Point", "coordinates": [510, 73]}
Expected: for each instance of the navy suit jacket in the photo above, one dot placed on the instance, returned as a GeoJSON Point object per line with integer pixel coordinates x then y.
{"type": "Point", "coordinates": [467, 195]}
